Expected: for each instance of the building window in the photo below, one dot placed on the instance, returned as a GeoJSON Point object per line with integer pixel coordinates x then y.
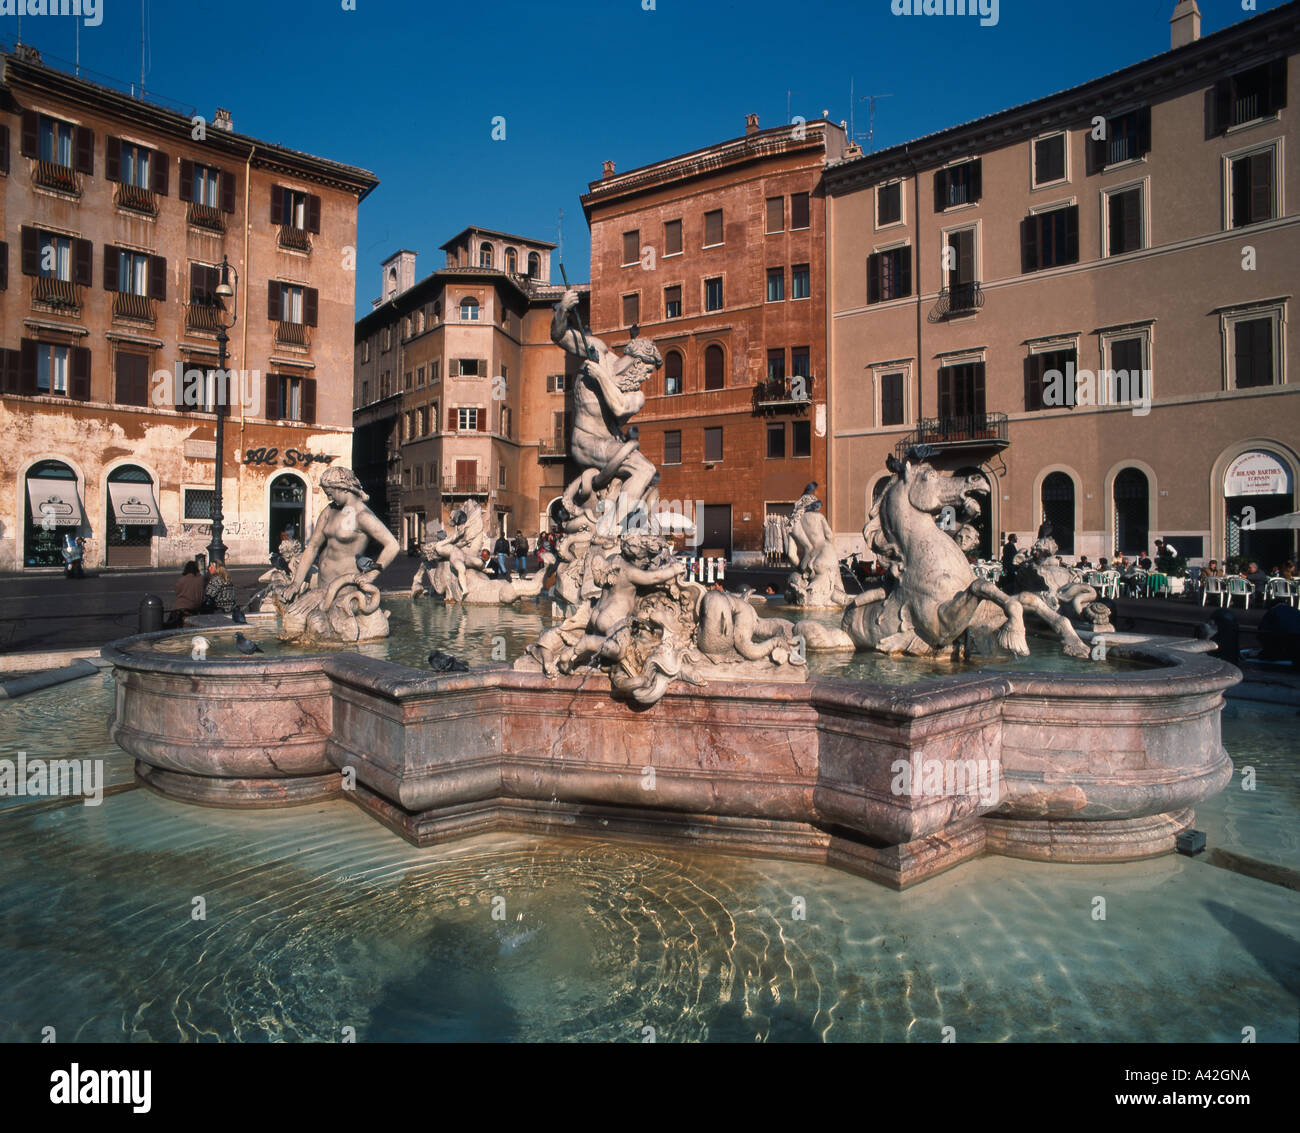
{"type": "Point", "coordinates": [712, 228]}
{"type": "Point", "coordinates": [672, 237]}
{"type": "Point", "coordinates": [961, 390]}
{"type": "Point", "coordinates": [365, 350]}
{"type": "Point", "coordinates": [198, 503]}
{"type": "Point", "coordinates": [1250, 95]}
{"type": "Point", "coordinates": [776, 365]}
{"type": "Point", "coordinates": [889, 203]}
{"type": "Point", "coordinates": [712, 445]}
{"type": "Point", "coordinates": [1252, 178]}
{"type": "Point", "coordinates": [891, 399]}
{"type": "Point", "coordinates": [408, 425]}
{"type": "Point", "coordinates": [776, 442]}
{"type": "Point", "coordinates": [1254, 351]}
{"type": "Point", "coordinates": [534, 265]}
{"type": "Point", "coordinates": [505, 421]}
{"type": "Point", "coordinates": [419, 377]}
{"type": "Point", "coordinates": [800, 439]}
{"type": "Point", "coordinates": [800, 362]}
{"type": "Point", "coordinates": [672, 302]}
{"type": "Point", "coordinates": [1050, 239]}
{"type": "Point", "coordinates": [133, 273]}
{"type": "Point", "coordinates": [889, 275]}
{"type": "Point", "coordinates": [1126, 376]}
{"type": "Point", "coordinates": [775, 214]}
{"type": "Point", "coordinates": [56, 141]}
{"type": "Point", "coordinates": [632, 247]}
{"type": "Point", "coordinates": [435, 371]}
{"type": "Point", "coordinates": [554, 383]}
{"type": "Point", "coordinates": [469, 310]}
{"type": "Point", "coordinates": [1049, 379]}
{"type": "Point", "coordinates": [470, 367]}
{"type": "Point", "coordinates": [290, 303]}
{"type": "Point", "coordinates": [135, 165]}
{"type": "Point", "coordinates": [800, 282]}
{"type": "Point", "coordinates": [672, 446]}
{"type": "Point", "coordinates": [388, 338]}
{"type": "Point", "coordinates": [713, 294]}
{"type": "Point", "coordinates": [1124, 221]}
{"type": "Point", "coordinates": [419, 475]}
{"type": "Point", "coordinates": [467, 420]}
{"type": "Point", "coordinates": [51, 369]}
{"type": "Point", "coordinates": [365, 391]}
{"type": "Point", "coordinates": [714, 368]}
{"type": "Point", "coordinates": [485, 255]}
{"type": "Point", "coordinates": [775, 284]}
{"type": "Point", "coordinates": [672, 373]}
{"type": "Point", "coordinates": [291, 399]}
{"type": "Point", "coordinates": [631, 310]}
{"type": "Point", "coordinates": [799, 212]}
{"type": "Point", "coordinates": [958, 185]}
{"type": "Point", "coordinates": [501, 475]}
{"type": "Point", "coordinates": [422, 420]}
{"type": "Point", "coordinates": [56, 257]}
{"type": "Point", "coordinates": [408, 382]}
{"type": "Point", "coordinates": [406, 478]}
{"type": "Point", "coordinates": [207, 186]}
{"type": "Point", "coordinates": [1049, 160]}
{"type": "Point", "coordinates": [1128, 137]}
{"type": "Point", "coordinates": [512, 261]}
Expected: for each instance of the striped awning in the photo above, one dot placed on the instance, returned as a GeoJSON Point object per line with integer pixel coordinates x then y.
{"type": "Point", "coordinates": [54, 502]}
{"type": "Point", "coordinates": [133, 504]}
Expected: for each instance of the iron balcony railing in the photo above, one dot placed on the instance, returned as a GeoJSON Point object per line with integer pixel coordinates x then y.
{"type": "Point", "coordinates": [127, 306]}
{"type": "Point", "coordinates": [462, 486]}
{"type": "Point", "coordinates": [971, 430]}
{"type": "Point", "coordinates": [553, 449]}
{"type": "Point", "coordinates": [292, 334]}
{"type": "Point", "coordinates": [295, 238]}
{"type": "Point", "coordinates": [959, 299]}
{"type": "Point", "coordinates": [775, 393]}
{"type": "Point", "coordinates": [206, 216]}
{"type": "Point", "coordinates": [203, 316]}
{"type": "Point", "coordinates": [136, 199]}
{"type": "Point", "coordinates": [52, 175]}
{"type": "Point", "coordinates": [55, 294]}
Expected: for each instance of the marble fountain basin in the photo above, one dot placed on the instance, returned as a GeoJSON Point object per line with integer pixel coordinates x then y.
{"type": "Point", "coordinates": [892, 783]}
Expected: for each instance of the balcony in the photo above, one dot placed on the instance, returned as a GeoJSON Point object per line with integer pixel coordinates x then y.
{"type": "Point", "coordinates": [959, 299]}
{"type": "Point", "coordinates": [208, 217]}
{"type": "Point", "coordinates": [204, 317]}
{"type": "Point", "coordinates": [772, 394]}
{"type": "Point", "coordinates": [557, 448]}
{"type": "Point", "coordinates": [972, 431]}
{"type": "Point", "coordinates": [52, 175]}
{"type": "Point", "coordinates": [293, 238]}
{"type": "Point", "coordinates": [57, 295]}
{"type": "Point", "coordinates": [460, 487]}
{"type": "Point", "coordinates": [136, 199]}
{"type": "Point", "coordinates": [292, 334]}
{"type": "Point", "coordinates": [138, 308]}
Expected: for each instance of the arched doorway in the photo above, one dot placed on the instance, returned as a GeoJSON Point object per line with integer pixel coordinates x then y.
{"type": "Point", "coordinates": [288, 506]}
{"type": "Point", "coordinates": [132, 515]}
{"type": "Point", "coordinates": [1132, 511]}
{"type": "Point", "coordinates": [1058, 509]}
{"type": "Point", "coordinates": [1258, 486]}
{"type": "Point", "coordinates": [53, 510]}
{"type": "Point", "coordinates": [555, 513]}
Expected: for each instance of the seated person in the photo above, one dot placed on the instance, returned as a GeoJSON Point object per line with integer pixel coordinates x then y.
{"type": "Point", "coordinates": [189, 594]}
{"type": "Point", "coordinates": [1256, 577]}
{"type": "Point", "coordinates": [1144, 561]}
{"type": "Point", "coordinates": [219, 594]}
{"type": "Point", "coordinates": [1211, 570]}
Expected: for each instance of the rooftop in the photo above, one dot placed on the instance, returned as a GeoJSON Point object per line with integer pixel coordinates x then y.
{"type": "Point", "coordinates": [455, 240]}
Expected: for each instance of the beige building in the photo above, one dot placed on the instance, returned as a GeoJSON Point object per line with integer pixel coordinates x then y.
{"type": "Point", "coordinates": [1090, 298]}
{"type": "Point", "coordinates": [460, 393]}
{"type": "Point", "coordinates": [116, 215]}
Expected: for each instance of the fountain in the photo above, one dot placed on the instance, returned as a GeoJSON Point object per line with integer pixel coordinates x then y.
{"type": "Point", "coordinates": [656, 709]}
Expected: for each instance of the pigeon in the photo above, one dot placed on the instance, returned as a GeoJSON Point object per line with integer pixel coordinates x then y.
{"type": "Point", "coordinates": [237, 616]}
{"type": "Point", "coordinates": [365, 563]}
{"type": "Point", "coordinates": [246, 646]}
{"type": "Point", "coordinates": [441, 662]}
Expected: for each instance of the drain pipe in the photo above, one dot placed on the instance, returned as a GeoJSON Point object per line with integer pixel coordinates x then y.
{"type": "Point", "coordinates": [243, 337]}
{"type": "Point", "coordinates": [916, 277]}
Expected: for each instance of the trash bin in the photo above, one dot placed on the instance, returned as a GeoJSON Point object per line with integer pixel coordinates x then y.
{"type": "Point", "coordinates": [151, 613]}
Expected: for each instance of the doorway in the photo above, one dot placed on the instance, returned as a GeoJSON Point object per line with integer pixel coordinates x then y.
{"type": "Point", "coordinates": [288, 509]}
{"type": "Point", "coordinates": [715, 531]}
{"type": "Point", "coordinates": [132, 516]}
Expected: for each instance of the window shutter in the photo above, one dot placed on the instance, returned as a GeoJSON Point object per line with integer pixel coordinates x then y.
{"type": "Point", "coordinates": [309, 400]}
{"type": "Point", "coordinates": [178, 390]}
{"type": "Point", "coordinates": [198, 282]}
{"type": "Point", "coordinates": [1072, 234]}
{"type": "Point", "coordinates": [4, 266]}
{"type": "Point", "coordinates": [273, 301]}
{"type": "Point", "coordinates": [85, 150]}
{"type": "Point", "coordinates": [9, 363]}
{"type": "Point", "coordinates": [904, 272]}
{"type": "Point", "coordinates": [1096, 151]}
{"type": "Point", "coordinates": [1144, 130]}
{"type": "Point", "coordinates": [1133, 220]}
{"type": "Point", "coordinates": [966, 256]}
{"type": "Point", "coordinates": [31, 251]}
{"type": "Point", "coordinates": [1222, 106]}
{"type": "Point", "coordinates": [977, 390]}
{"type": "Point", "coordinates": [775, 214]}
{"type": "Point", "coordinates": [30, 142]}
{"type": "Point", "coordinates": [277, 204]}
{"type": "Point", "coordinates": [976, 180]}
{"type": "Point", "coordinates": [1261, 186]}
{"type": "Point", "coordinates": [310, 306]}
{"type": "Point", "coordinates": [313, 213]}
{"type": "Point", "coordinates": [945, 391]}
{"type": "Point", "coordinates": [186, 188]}
{"type": "Point", "coordinates": [79, 372]}
{"type": "Point", "coordinates": [159, 172]}
{"type": "Point", "coordinates": [113, 158]}
{"type": "Point", "coordinates": [83, 263]}
{"type": "Point", "coordinates": [1240, 192]}
{"type": "Point", "coordinates": [1276, 85]}
{"type": "Point", "coordinates": [110, 268]}
{"type": "Point", "coordinates": [157, 278]}
{"type": "Point", "coordinates": [4, 149]}
{"type": "Point", "coordinates": [273, 410]}
{"type": "Point", "coordinates": [1029, 244]}
{"type": "Point", "coordinates": [940, 190]}
{"type": "Point", "coordinates": [481, 417]}
{"type": "Point", "coordinates": [451, 420]}
{"type": "Point", "coordinates": [873, 278]}
{"type": "Point", "coordinates": [1033, 384]}
{"type": "Point", "coordinates": [27, 366]}
{"type": "Point", "coordinates": [227, 191]}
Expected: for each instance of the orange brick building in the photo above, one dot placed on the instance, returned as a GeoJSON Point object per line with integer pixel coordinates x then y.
{"type": "Point", "coordinates": [719, 257]}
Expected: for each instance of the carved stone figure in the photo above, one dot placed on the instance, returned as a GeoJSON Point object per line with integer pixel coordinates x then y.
{"type": "Point", "coordinates": [1042, 572]}
{"type": "Point", "coordinates": [931, 596]}
{"type": "Point", "coordinates": [344, 606]}
{"type": "Point", "coordinates": [452, 566]}
{"type": "Point", "coordinates": [815, 581]}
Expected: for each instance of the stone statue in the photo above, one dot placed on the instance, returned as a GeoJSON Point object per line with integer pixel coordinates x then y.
{"type": "Point", "coordinates": [452, 566]}
{"type": "Point", "coordinates": [344, 605]}
{"type": "Point", "coordinates": [815, 581]}
{"type": "Point", "coordinates": [628, 609]}
{"type": "Point", "coordinates": [1042, 572]}
{"type": "Point", "coordinates": [931, 596]}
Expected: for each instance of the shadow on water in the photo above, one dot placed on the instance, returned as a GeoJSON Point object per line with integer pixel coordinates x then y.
{"type": "Point", "coordinates": [1273, 951]}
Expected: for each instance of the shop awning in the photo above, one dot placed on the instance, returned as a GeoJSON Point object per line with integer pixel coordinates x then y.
{"type": "Point", "coordinates": [1288, 522]}
{"type": "Point", "coordinates": [55, 502]}
{"type": "Point", "coordinates": [133, 504]}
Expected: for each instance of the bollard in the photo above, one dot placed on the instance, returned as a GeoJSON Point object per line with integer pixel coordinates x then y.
{"type": "Point", "coordinates": [151, 614]}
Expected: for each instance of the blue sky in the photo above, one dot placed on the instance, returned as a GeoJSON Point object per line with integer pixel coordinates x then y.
{"type": "Point", "coordinates": [409, 88]}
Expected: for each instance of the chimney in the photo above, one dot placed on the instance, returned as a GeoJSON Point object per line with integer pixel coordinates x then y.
{"type": "Point", "coordinates": [221, 120]}
{"type": "Point", "coordinates": [607, 170]}
{"type": "Point", "coordinates": [751, 123]}
{"type": "Point", "coordinates": [1184, 24]}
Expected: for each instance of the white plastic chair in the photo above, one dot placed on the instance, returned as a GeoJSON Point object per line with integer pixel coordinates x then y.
{"type": "Point", "coordinates": [1240, 586]}
{"type": "Point", "coordinates": [1278, 587]}
{"type": "Point", "coordinates": [1215, 584]}
{"type": "Point", "coordinates": [1109, 584]}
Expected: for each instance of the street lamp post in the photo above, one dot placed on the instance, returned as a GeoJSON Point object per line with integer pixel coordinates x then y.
{"type": "Point", "coordinates": [225, 290]}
